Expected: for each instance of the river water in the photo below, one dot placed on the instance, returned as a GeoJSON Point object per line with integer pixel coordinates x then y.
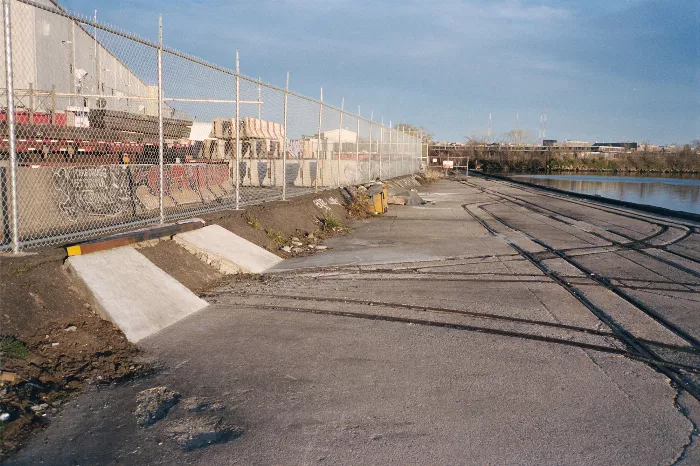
{"type": "Point", "coordinates": [677, 192]}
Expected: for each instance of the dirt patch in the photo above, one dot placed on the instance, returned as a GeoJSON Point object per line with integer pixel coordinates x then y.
{"type": "Point", "coordinates": [277, 224]}
{"type": "Point", "coordinates": [61, 356]}
{"type": "Point", "coordinates": [35, 288]}
{"type": "Point", "coordinates": [184, 267]}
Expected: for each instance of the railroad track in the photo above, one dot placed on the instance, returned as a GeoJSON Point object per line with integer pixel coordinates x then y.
{"type": "Point", "coordinates": [601, 279]}
{"type": "Point", "coordinates": [635, 344]}
{"type": "Point", "coordinates": [304, 304]}
{"type": "Point", "coordinates": [632, 243]}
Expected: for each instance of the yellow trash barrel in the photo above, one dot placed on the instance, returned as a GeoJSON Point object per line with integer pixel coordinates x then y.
{"type": "Point", "coordinates": [377, 193]}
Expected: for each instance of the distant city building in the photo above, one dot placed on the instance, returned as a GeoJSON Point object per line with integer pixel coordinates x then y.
{"type": "Point", "coordinates": [624, 145]}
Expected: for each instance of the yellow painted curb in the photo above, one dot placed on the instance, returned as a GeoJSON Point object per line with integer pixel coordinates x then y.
{"type": "Point", "coordinates": [73, 250]}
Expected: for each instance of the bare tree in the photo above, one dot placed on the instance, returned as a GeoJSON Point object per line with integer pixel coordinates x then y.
{"type": "Point", "coordinates": [518, 136]}
{"type": "Point", "coordinates": [476, 143]}
{"type": "Point", "coordinates": [415, 130]}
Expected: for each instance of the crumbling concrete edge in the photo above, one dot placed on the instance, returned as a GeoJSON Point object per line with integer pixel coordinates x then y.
{"type": "Point", "coordinates": [222, 265]}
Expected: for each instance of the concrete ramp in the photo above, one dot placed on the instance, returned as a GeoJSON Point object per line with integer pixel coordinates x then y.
{"type": "Point", "coordinates": [227, 251]}
{"type": "Point", "coordinates": [129, 290]}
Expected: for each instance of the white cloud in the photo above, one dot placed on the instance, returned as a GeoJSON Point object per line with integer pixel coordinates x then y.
{"type": "Point", "coordinates": [515, 10]}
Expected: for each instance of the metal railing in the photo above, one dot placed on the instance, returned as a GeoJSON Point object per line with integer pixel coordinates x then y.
{"type": "Point", "coordinates": [104, 131]}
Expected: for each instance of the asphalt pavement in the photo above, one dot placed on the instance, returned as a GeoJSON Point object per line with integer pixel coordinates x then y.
{"type": "Point", "coordinates": [495, 324]}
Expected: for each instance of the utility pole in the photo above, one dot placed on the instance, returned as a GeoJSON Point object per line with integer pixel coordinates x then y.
{"type": "Point", "coordinates": [340, 136]}
{"type": "Point", "coordinates": [544, 127]}
{"type": "Point", "coordinates": [489, 135]}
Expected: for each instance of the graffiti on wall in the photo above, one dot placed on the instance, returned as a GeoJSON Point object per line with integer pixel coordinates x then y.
{"type": "Point", "coordinates": [183, 184]}
{"type": "Point", "coordinates": [294, 149]}
{"type": "Point", "coordinates": [92, 191]}
{"type": "Point", "coordinates": [86, 193]}
{"type": "Point", "coordinates": [118, 190]}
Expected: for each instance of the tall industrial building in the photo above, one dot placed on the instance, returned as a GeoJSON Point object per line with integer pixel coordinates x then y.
{"type": "Point", "coordinates": [57, 61]}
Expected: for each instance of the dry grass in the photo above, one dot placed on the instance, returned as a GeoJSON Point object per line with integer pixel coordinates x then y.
{"type": "Point", "coordinates": [360, 207]}
{"type": "Point", "coordinates": [433, 174]}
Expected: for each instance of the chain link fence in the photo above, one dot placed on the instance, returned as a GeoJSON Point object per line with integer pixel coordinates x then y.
{"type": "Point", "coordinates": [103, 131]}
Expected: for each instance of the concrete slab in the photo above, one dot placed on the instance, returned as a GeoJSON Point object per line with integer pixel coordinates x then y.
{"type": "Point", "coordinates": [227, 251]}
{"type": "Point", "coordinates": [129, 290]}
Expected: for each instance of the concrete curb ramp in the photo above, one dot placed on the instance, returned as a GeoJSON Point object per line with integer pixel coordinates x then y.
{"type": "Point", "coordinates": [227, 251]}
{"type": "Point", "coordinates": [129, 290]}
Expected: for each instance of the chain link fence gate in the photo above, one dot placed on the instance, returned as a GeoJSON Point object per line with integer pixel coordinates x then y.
{"type": "Point", "coordinates": [103, 131]}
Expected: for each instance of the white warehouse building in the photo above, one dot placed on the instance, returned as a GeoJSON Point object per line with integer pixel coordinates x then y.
{"type": "Point", "coordinates": [58, 62]}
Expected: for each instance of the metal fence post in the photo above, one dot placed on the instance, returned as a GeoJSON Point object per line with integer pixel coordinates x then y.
{"type": "Point", "coordinates": [357, 148]}
{"type": "Point", "coordinates": [284, 146]}
{"type": "Point", "coordinates": [160, 119]}
{"type": "Point", "coordinates": [238, 129]}
{"type": "Point", "coordinates": [403, 151]}
{"type": "Point", "coordinates": [412, 144]}
{"type": "Point", "coordinates": [31, 103]}
{"type": "Point", "coordinates": [369, 163]}
{"type": "Point", "coordinates": [420, 141]}
{"type": "Point", "coordinates": [97, 55]}
{"type": "Point", "coordinates": [53, 104]}
{"type": "Point", "coordinates": [318, 141]}
{"type": "Point", "coordinates": [340, 136]}
{"type": "Point", "coordinates": [381, 143]}
{"type": "Point", "coordinates": [391, 166]}
{"type": "Point", "coordinates": [7, 33]}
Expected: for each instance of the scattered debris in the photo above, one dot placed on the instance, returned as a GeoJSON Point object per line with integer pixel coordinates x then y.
{"type": "Point", "coordinates": [200, 431]}
{"type": "Point", "coordinates": [39, 408]}
{"type": "Point", "coordinates": [406, 198]}
{"type": "Point", "coordinates": [286, 249]}
{"type": "Point", "coordinates": [38, 373]}
{"type": "Point", "coordinates": [8, 377]}
{"type": "Point", "coordinates": [72, 328]}
{"type": "Point", "coordinates": [414, 198]}
{"type": "Point", "coordinates": [153, 405]}
{"type": "Point", "coordinates": [396, 200]}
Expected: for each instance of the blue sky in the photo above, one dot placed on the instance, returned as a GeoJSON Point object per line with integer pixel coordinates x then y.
{"type": "Point", "coordinates": [603, 69]}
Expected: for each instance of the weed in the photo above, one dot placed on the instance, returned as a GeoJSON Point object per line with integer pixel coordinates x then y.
{"type": "Point", "coordinates": [255, 223]}
{"type": "Point", "coordinates": [433, 174]}
{"type": "Point", "coordinates": [20, 269]}
{"type": "Point", "coordinates": [277, 237]}
{"type": "Point", "coordinates": [360, 207]}
{"type": "Point", "coordinates": [330, 223]}
{"type": "Point", "coordinates": [13, 348]}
